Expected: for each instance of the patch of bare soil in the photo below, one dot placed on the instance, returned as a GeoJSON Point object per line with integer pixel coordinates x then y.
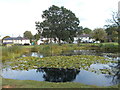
{"type": "Point", "coordinates": [8, 86]}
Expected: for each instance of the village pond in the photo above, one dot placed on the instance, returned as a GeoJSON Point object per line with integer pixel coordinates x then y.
{"type": "Point", "coordinates": [99, 74]}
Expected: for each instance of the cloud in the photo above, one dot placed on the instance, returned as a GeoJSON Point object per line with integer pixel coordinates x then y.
{"type": "Point", "coordinates": [17, 16]}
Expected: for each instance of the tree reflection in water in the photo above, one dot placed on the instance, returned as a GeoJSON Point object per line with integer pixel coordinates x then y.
{"type": "Point", "coordinates": [58, 74]}
{"type": "Point", "coordinates": [116, 73]}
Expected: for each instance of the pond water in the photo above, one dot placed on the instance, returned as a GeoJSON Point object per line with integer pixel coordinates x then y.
{"type": "Point", "coordinates": [113, 56]}
{"type": "Point", "coordinates": [35, 54]}
{"type": "Point", "coordinates": [69, 75]}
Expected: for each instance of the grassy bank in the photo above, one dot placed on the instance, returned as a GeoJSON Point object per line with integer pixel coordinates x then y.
{"type": "Point", "coordinates": [13, 52]}
{"type": "Point", "coordinates": [56, 49]}
{"type": "Point", "coordinates": [110, 47]}
{"type": "Point", "coordinates": [42, 84]}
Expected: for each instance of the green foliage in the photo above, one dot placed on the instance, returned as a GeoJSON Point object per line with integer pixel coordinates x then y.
{"type": "Point", "coordinates": [37, 36]}
{"type": "Point", "coordinates": [12, 52]}
{"type": "Point", "coordinates": [99, 34]}
{"type": "Point", "coordinates": [112, 33]}
{"type": "Point", "coordinates": [5, 37]}
{"type": "Point", "coordinates": [54, 49]}
{"type": "Point", "coordinates": [60, 23]}
{"type": "Point", "coordinates": [108, 47]}
{"type": "Point", "coordinates": [35, 48]}
{"type": "Point", "coordinates": [28, 34]}
{"type": "Point", "coordinates": [84, 31]}
{"type": "Point", "coordinates": [71, 62]}
{"type": "Point", "coordinates": [87, 31]}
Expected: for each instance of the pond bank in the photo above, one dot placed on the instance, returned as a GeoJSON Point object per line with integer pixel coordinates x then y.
{"type": "Point", "coordinates": [37, 84]}
{"type": "Point", "coordinates": [54, 49]}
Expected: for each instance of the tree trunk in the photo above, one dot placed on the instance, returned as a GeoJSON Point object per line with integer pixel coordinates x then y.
{"type": "Point", "coordinates": [59, 41]}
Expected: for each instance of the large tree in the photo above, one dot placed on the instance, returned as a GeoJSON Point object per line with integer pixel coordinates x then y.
{"type": "Point", "coordinates": [36, 36]}
{"type": "Point", "coordinates": [112, 33]}
{"type": "Point", "coordinates": [87, 30]}
{"type": "Point", "coordinates": [28, 34]}
{"type": "Point", "coordinates": [115, 21]}
{"type": "Point", "coordinates": [59, 22]}
{"type": "Point", "coordinates": [99, 34]}
{"type": "Point", "coordinates": [5, 38]}
{"type": "Point", "coordinates": [84, 31]}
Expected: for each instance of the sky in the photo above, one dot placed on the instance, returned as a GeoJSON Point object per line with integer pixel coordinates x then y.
{"type": "Point", "coordinates": [18, 16]}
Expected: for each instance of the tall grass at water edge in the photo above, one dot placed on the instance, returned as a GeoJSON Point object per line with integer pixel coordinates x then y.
{"type": "Point", "coordinates": [56, 49]}
{"type": "Point", "coordinates": [110, 47]}
{"type": "Point", "coordinates": [12, 52]}
{"type": "Point", "coordinates": [51, 49]}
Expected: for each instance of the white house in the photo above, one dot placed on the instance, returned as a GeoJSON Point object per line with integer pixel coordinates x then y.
{"type": "Point", "coordinates": [16, 40]}
{"type": "Point", "coordinates": [48, 40]}
{"type": "Point", "coordinates": [84, 38]}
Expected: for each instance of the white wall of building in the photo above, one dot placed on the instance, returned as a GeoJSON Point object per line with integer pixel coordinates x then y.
{"type": "Point", "coordinates": [83, 39]}
{"type": "Point", "coordinates": [25, 41]}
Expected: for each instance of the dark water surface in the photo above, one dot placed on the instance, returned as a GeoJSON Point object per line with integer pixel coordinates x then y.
{"type": "Point", "coordinates": [70, 75]}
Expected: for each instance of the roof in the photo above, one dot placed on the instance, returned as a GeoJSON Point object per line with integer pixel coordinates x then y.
{"type": "Point", "coordinates": [15, 38]}
{"type": "Point", "coordinates": [8, 43]}
{"type": "Point", "coordinates": [85, 35]}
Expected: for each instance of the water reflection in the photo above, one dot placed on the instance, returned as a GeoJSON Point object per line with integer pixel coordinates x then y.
{"type": "Point", "coordinates": [79, 52]}
{"type": "Point", "coordinates": [113, 56]}
{"type": "Point", "coordinates": [35, 54]}
{"type": "Point", "coordinates": [63, 75]}
{"type": "Point", "coordinates": [116, 71]}
{"type": "Point", "coordinates": [58, 74]}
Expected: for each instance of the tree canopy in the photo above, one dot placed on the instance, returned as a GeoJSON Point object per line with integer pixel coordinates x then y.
{"type": "Point", "coordinates": [115, 22]}
{"type": "Point", "coordinates": [36, 36]}
{"type": "Point", "coordinates": [5, 37]}
{"type": "Point", "coordinates": [112, 33]}
{"type": "Point", "coordinates": [28, 34]}
{"type": "Point", "coordinates": [59, 22]}
{"type": "Point", "coordinates": [99, 34]}
{"type": "Point", "coordinates": [84, 31]}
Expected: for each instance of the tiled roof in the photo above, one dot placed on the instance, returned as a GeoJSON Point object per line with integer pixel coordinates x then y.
{"type": "Point", "coordinates": [15, 38]}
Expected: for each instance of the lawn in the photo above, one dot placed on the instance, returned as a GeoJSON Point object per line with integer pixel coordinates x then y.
{"type": "Point", "coordinates": [42, 84]}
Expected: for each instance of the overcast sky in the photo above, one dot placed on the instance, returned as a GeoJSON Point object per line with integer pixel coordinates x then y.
{"type": "Point", "coordinates": [17, 16]}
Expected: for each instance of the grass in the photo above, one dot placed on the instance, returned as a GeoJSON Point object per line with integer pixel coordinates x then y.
{"type": "Point", "coordinates": [13, 52]}
{"type": "Point", "coordinates": [112, 47]}
{"type": "Point", "coordinates": [42, 84]}
{"type": "Point", "coordinates": [54, 49]}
